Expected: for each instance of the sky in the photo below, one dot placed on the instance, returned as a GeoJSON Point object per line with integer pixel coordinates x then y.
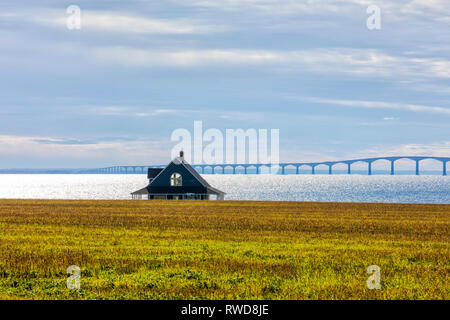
{"type": "Point", "coordinates": [113, 91]}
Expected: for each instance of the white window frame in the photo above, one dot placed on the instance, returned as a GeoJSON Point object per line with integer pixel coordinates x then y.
{"type": "Point", "coordinates": [173, 180]}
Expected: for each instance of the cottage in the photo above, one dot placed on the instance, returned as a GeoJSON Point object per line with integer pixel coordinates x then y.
{"type": "Point", "coordinates": [177, 181]}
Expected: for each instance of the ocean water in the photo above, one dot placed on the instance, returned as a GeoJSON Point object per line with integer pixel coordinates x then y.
{"type": "Point", "coordinates": [343, 188]}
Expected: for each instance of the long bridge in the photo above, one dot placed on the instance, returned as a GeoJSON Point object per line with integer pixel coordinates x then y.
{"type": "Point", "coordinates": [281, 167]}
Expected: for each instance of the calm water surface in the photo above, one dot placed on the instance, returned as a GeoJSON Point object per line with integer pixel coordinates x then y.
{"type": "Point", "coordinates": [357, 188]}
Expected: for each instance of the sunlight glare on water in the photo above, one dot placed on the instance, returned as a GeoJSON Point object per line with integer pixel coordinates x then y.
{"type": "Point", "coordinates": [342, 188]}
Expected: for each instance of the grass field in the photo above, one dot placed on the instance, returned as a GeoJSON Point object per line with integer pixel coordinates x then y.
{"type": "Point", "coordinates": [222, 250]}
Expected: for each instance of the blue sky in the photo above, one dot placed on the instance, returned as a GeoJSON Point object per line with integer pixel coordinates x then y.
{"type": "Point", "coordinates": [113, 91]}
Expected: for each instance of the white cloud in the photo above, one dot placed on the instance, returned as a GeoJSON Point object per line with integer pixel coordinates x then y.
{"type": "Point", "coordinates": [398, 9]}
{"type": "Point", "coordinates": [343, 60]}
{"type": "Point", "coordinates": [142, 151]}
{"type": "Point", "coordinates": [127, 23]}
{"type": "Point", "coordinates": [129, 111]}
{"type": "Point", "coordinates": [381, 105]}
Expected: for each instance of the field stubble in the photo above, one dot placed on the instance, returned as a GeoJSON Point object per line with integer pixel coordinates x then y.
{"type": "Point", "coordinates": [222, 250]}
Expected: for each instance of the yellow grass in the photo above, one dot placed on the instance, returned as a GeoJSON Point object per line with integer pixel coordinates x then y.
{"type": "Point", "coordinates": [222, 250]}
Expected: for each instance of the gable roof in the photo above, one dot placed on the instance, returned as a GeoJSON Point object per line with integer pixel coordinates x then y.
{"type": "Point", "coordinates": [195, 182]}
{"type": "Point", "coordinates": [178, 161]}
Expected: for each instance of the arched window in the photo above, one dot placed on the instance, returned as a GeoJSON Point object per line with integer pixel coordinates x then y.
{"type": "Point", "coordinates": [175, 180]}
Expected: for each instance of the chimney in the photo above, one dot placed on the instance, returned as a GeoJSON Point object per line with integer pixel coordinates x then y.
{"type": "Point", "coordinates": [181, 154]}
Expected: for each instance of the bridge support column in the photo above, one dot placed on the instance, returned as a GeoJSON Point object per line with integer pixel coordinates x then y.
{"type": "Point", "coordinates": [313, 170]}
{"type": "Point", "coordinates": [234, 170]}
{"type": "Point", "coordinates": [245, 170]}
{"type": "Point", "coordinates": [349, 169]}
{"type": "Point", "coordinates": [444, 168]}
{"type": "Point", "coordinates": [282, 169]}
{"type": "Point", "coordinates": [370, 168]}
{"type": "Point", "coordinates": [392, 167]}
{"type": "Point", "coordinates": [417, 167]}
{"type": "Point", "coordinates": [330, 169]}
{"type": "Point", "coordinates": [297, 170]}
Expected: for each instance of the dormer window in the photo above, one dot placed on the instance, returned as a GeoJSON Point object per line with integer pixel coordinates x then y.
{"type": "Point", "coordinates": [175, 180]}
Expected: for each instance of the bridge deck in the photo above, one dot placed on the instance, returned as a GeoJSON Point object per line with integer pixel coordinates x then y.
{"type": "Point", "coordinates": [281, 167]}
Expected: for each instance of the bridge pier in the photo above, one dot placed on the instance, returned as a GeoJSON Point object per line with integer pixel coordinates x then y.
{"type": "Point", "coordinates": [392, 167]}
{"type": "Point", "coordinates": [313, 169]}
{"type": "Point", "coordinates": [417, 167]}
{"type": "Point", "coordinates": [297, 170]}
{"type": "Point", "coordinates": [282, 169]}
{"type": "Point", "coordinates": [245, 170]}
{"type": "Point", "coordinates": [234, 170]}
{"type": "Point", "coordinates": [444, 168]}
{"type": "Point", "coordinates": [330, 169]}
{"type": "Point", "coordinates": [349, 169]}
{"type": "Point", "coordinates": [370, 168]}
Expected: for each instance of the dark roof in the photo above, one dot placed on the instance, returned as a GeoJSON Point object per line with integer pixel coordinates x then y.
{"type": "Point", "coordinates": [153, 172]}
{"type": "Point", "coordinates": [214, 190]}
{"type": "Point", "coordinates": [196, 174]}
{"type": "Point", "coordinates": [141, 191]}
{"type": "Point", "coordinates": [200, 185]}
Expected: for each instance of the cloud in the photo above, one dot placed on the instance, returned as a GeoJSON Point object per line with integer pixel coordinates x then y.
{"type": "Point", "coordinates": [437, 149]}
{"type": "Point", "coordinates": [70, 152]}
{"type": "Point", "coordinates": [129, 111]}
{"type": "Point", "coordinates": [398, 9]}
{"type": "Point", "coordinates": [128, 23]}
{"type": "Point", "coordinates": [64, 141]}
{"type": "Point", "coordinates": [362, 62]}
{"type": "Point", "coordinates": [381, 105]}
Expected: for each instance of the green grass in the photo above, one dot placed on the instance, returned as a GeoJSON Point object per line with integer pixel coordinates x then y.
{"type": "Point", "coordinates": [222, 250]}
